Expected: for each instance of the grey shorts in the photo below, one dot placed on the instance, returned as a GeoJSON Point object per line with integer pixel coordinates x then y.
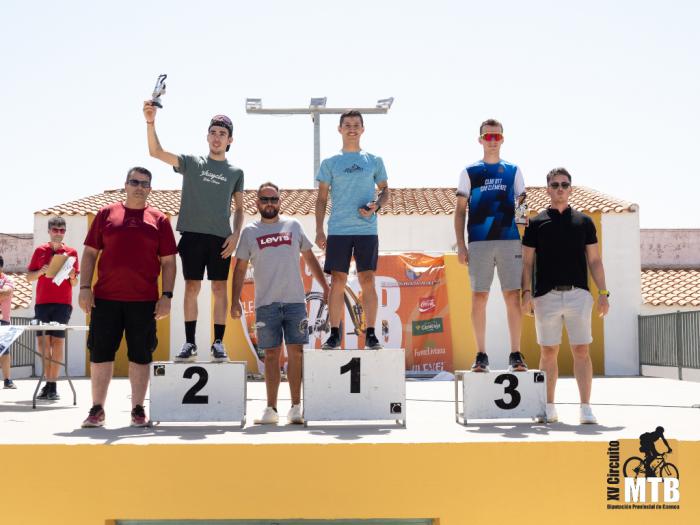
{"type": "Point", "coordinates": [505, 256]}
{"type": "Point", "coordinates": [571, 308]}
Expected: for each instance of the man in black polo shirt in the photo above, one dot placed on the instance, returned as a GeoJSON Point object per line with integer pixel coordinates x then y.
{"type": "Point", "coordinates": [562, 246]}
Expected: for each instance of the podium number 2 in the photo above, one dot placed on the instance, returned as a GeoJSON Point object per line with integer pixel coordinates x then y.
{"type": "Point", "coordinates": [353, 366]}
{"type": "Point", "coordinates": [510, 390]}
{"type": "Point", "coordinates": [191, 397]}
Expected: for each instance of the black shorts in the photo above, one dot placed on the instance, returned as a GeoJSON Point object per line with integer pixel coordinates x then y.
{"type": "Point", "coordinates": [200, 250]}
{"type": "Point", "coordinates": [341, 248]}
{"type": "Point", "coordinates": [109, 320]}
{"type": "Point", "coordinates": [56, 312]}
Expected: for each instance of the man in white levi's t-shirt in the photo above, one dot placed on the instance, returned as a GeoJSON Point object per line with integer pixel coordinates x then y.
{"type": "Point", "coordinates": [273, 245]}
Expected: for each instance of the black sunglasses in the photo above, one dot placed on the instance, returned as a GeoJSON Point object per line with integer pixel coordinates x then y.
{"type": "Point", "coordinates": [555, 185]}
{"type": "Point", "coordinates": [271, 200]}
{"type": "Point", "coordinates": [143, 183]}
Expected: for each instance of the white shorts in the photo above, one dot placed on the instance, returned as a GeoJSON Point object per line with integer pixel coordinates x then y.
{"type": "Point", "coordinates": [573, 308]}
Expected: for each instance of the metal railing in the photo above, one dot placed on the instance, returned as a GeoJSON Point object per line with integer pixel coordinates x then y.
{"type": "Point", "coordinates": [670, 340]}
{"type": "Point", "coordinates": [23, 348]}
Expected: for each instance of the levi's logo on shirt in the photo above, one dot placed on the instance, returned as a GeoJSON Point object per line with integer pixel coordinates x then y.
{"type": "Point", "coordinates": [274, 239]}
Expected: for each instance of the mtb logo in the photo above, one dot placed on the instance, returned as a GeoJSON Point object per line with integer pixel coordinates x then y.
{"type": "Point", "coordinates": [274, 239]}
{"type": "Point", "coordinates": [645, 481]}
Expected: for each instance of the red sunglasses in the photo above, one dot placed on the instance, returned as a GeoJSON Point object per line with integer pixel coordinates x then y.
{"type": "Point", "coordinates": [492, 137]}
{"type": "Point", "coordinates": [58, 230]}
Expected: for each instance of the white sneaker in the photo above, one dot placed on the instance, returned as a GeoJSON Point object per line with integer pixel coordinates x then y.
{"type": "Point", "coordinates": [269, 417]}
{"type": "Point", "coordinates": [294, 416]}
{"type": "Point", "coordinates": [587, 417]}
{"type": "Point", "coordinates": [550, 415]}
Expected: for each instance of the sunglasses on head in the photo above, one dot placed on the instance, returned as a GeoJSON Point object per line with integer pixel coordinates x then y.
{"type": "Point", "coordinates": [58, 230]}
{"type": "Point", "coordinates": [555, 185]}
{"type": "Point", "coordinates": [270, 200]}
{"type": "Point", "coordinates": [492, 137]}
{"type": "Point", "coordinates": [143, 183]}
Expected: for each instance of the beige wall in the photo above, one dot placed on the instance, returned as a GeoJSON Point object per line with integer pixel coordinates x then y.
{"type": "Point", "coordinates": [16, 249]}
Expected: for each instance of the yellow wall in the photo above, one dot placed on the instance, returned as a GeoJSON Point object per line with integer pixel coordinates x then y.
{"type": "Point", "coordinates": [464, 345]}
{"type": "Point", "coordinates": [457, 484]}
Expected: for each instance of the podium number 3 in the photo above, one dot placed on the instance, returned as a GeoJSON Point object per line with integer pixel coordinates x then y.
{"type": "Point", "coordinates": [191, 397]}
{"type": "Point", "coordinates": [352, 366]}
{"type": "Point", "coordinates": [510, 390]}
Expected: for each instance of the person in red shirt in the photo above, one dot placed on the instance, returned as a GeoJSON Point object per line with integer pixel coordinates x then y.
{"type": "Point", "coordinates": [54, 303]}
{"type": "Point", "coordinates": [136, 245]}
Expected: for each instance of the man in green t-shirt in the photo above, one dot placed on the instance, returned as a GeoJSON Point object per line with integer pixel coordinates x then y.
{"type": "Point", "coordinates": [207, 240]}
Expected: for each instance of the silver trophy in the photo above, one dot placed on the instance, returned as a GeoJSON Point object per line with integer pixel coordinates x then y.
{"type": "Point", "coordinates": [521, 209]}
{"type": "Point", "coordinates": [159, 91]}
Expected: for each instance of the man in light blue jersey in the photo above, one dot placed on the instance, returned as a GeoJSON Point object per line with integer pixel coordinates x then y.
{"type": "Point", "coordinates": [490, 188]}
{"type": "Point", "coordinates": [351, 178]}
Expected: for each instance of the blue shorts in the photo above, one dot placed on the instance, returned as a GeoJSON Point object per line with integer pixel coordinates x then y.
{"type": "Point", "coordinates": [273, 320]}
{"type": "Point", "coordinates": [341, 248]}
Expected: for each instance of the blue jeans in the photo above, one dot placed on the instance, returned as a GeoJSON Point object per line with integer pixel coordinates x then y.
{"type": "Point", "coordinates": [274, 320]}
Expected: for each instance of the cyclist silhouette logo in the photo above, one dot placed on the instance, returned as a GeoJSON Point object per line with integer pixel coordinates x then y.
{"type": "Point", "coordinates": [654, 464]}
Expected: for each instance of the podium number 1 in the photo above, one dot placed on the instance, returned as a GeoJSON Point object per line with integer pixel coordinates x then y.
{"type": "Point", "coordinates": [353, 366]}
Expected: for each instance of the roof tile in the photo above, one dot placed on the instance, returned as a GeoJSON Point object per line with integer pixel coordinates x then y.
{"type": "Point", "coordinates": [22, 296]}
{"type": "Point", "coordinates": [402, 201]}
{"type": "Point", "coordinates": [671, 287]}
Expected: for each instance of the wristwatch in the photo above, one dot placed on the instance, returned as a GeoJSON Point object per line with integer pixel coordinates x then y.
{"type": "Point", "coordinates": [606, 293]}
{"type": "Point", "coordinates": [169, 295]}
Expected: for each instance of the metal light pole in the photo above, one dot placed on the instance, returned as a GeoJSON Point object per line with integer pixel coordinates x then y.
{"type": "Point", "coordinates": [317, 107]}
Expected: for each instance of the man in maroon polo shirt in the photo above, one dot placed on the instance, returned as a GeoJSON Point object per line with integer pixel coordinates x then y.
{"type": "Point", "coordinates": [135, 242]}
{"type": "Point", "coordinates": [54, 303]}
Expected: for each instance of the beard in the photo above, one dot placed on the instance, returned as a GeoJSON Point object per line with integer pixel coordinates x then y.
{"type": "Point", "coordinates": [269, 213]}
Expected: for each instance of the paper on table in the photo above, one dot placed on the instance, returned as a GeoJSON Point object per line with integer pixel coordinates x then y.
{"type": "Point", "coordinates": [8, 335]}
{"type": "Point", "coordinates": [65, 270]}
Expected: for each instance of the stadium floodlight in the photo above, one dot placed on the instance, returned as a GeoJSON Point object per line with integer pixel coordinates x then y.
{"type": "Point", "coordinates": [253, 104]}
{"type": "Point", "coordinates": [385, 103]}
{"type": "Point", "coordinates": [317, 103]}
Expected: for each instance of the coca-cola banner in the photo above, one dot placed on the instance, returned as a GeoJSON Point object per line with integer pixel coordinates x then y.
{"type": "Point", "coordinates": [413, 311]}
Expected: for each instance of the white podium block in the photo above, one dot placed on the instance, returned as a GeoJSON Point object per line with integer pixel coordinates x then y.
{"type": "Point", "coordinates": [500, 394]}
{"type": "Point", "coordinates": [354, 385]}
{"type": "Point", "coordinates": [194, 392]}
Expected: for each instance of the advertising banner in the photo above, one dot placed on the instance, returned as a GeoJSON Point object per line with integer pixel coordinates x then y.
{"type": "Point", "coordinates": [412, 310]}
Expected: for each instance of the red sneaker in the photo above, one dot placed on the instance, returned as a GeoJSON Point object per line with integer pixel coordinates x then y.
{"type": "Point", "coordinates": [96, 417]}
{"type": "Point", "coordinates": [138, 417]}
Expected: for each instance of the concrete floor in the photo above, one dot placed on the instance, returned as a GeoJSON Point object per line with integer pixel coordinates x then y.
{"type": "Point", "coordinates": [625, 407]}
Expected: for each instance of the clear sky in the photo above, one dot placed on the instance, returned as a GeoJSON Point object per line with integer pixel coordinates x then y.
{"type": "Point", "coordinates": [609, 90]}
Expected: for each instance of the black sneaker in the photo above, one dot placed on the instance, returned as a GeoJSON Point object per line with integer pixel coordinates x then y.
{"type": "Point", "coordinates": [44, 392]}
{"type": "Point", "coordinates": [516, 363]}
{"type": "Point", "coordinates": [332, 343]}
{"type": "Point", "coordinates": [218, 352]}
{"type": "Point", "coordinates": [372, 343]}
{"type": "Point", "coordinates": [481, 363]}
{"type": "Point", "coordinates": [9, 383]}
{"type": "Point", "coordinates": [187, 354]}
{"type": "Point", "coordinates": [53, 393]}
